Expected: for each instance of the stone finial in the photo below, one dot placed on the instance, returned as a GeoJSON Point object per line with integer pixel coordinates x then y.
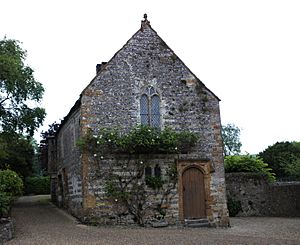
{"type": "Point", "coordinates": [145, 22]}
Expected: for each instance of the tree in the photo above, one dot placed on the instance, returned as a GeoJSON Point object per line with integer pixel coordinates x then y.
{"type": "Point", "coordinates": [18, 91]}
{"type": "Point", "coordinates": [283, 158]}
{"type": "Point", "coordinates": [51, 130]}
{"type": "Point", "coordinates": [248, 163]}
{"type": "Point", "coordinates": [231, 139]}
{"type": "Point", "coordinates": [18, 154]}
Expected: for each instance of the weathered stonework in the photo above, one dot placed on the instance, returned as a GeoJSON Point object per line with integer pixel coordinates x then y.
{"type": "Point", "coordinates": [6, 230]}
{"type": "Point", "coordinates": [112, 99]}
{"type": "Point", "coordinates": [260, 198]}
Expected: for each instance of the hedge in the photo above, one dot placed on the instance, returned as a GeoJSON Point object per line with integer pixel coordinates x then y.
{"type": "Point", "coordinates": [37, 185]}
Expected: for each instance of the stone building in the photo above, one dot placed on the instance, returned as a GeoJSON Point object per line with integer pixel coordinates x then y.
{"type": "Point", "coordinates": [144, 83]}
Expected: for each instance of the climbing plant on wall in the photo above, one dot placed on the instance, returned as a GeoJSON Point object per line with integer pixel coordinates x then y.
{"type": "Point", "coordinates": [120, 160]}
{"type": "Point", "coordinates": [140, 140]}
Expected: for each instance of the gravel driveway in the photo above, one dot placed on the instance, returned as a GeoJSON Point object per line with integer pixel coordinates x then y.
{"type": "Point", "coordinates": [39, 222]}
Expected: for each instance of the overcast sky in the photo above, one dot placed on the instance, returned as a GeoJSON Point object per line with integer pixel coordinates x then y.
{"type": "Point", "coordinates": [246, 52]}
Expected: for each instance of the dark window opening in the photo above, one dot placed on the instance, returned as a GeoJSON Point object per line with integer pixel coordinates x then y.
{"type": "Point", "coordinates": [148, 172]}
{"type": "Point", "coordinates": [157, 171]}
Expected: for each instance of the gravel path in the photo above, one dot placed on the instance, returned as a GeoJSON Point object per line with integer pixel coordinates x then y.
{"type": "Point", "coordinates": [39, 222]}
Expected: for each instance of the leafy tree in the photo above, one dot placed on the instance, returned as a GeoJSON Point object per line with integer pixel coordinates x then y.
{"type": "Point", "coordinates": [283, 158]}
{"type": "Point", "coordinates": [18, 89]}
{"type": "Point", "coordinates": [18, 153]}
{"type": "Point", "coordinates": [52, 129]}
{"type": "Point", "coordinates": [36, 168]}
{"type": "Point", "coordinates": [293, 169]}
{"type": "Point", "coordinates": [248, 163]}
{"type": "Point", "coordinates": [231, 139]}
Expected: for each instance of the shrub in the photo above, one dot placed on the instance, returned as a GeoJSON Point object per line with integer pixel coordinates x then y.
{"type": "Point", "coordinates": [5, 203]}
{"type": "Point", "coordinates": [37, 185]}
{"type": "Point", "coordinates": [248, 163]}
{"type": "Point", "coordinates": [234, 207]}
{"type": "Point", "coordinates": [11, 183]}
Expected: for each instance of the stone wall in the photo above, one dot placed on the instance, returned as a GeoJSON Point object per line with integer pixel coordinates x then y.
{"type": "Point", "coordinates": [260, 198]}
{"type": "Point", "coordinates": [111, 211]}
{"type": "Point", "coordinates": [6, 230]}
{"type": "Point", "coordinates": [112, 99]}
{"type": "Point", "coordinates": [68, 176]}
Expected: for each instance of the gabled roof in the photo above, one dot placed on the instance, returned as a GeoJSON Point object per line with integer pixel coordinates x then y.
{"type": "Point", "coordinates": [146, 24]}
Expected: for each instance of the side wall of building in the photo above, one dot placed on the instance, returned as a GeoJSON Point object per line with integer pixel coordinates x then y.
{"type": "Point", "coordinates": [69, 177]}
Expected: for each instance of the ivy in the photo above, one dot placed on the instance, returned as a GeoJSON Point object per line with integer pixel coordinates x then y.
{"type": "Point", "coordinates": [140, 140]}
{"type": "Point", "coordinates": [154, 182]}
{"type": "Point", "coordinates": [124, 180]}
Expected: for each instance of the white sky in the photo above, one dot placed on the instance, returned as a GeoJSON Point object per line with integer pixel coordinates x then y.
{"type": "Point", "coordinates": [246, 52]}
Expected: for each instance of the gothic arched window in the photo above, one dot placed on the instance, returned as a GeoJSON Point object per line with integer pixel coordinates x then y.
{"type": "Point", "coordinates": [150, 108]}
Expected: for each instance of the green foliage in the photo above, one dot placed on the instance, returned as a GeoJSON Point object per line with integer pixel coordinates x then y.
{"type": "Point", "coordinates": [234, 206]}
{"type": "Point", "coordinates": [11, 185]}
{"type": "Point", "coordinates": [5, 203]}
{"type": "Point", "coordinates": [292, 169]}
{"type": "Point", "coordinates": [124, 180]}
{"type": "Point", "coordinates": [37, 185]}
{"type": "Point", "coordinates": [113, 191]}
{"type": "Point", "coordinates": [154, 182]}
{"type": "Point", "coordinates": [172, 173]}
{"type": "Point", "coordinates": [283, 158]}
{"type": "Point", "coordinates": [248, 163]}
{"type": "Point", "coordinates": [10, 182]}
{"type": "Point", "coordinates": [231, 139]}
{"type": "Point", "coordinates": [18, 87]}
{"type": "Point", "coordinates": [52, 129]}
{"type": "Point", "coordinates": [18, 153]}
{"type": "Point", "coordinates": [140, 140]}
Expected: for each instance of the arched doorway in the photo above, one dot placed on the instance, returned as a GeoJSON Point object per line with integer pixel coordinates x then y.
{"type": "Point", "coordinates": [193, 193]}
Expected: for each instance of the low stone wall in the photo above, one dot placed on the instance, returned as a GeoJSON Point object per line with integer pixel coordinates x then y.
{"type": "Point", "coordinates": [6, 230]}
{"type": "Point", "coordinates": [257, 197]}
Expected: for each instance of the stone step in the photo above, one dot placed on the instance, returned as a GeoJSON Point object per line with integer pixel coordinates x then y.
{"type": "Point", "coordinates": [160, 224]}
{"type": "Point", "coordinates": [196, 223]}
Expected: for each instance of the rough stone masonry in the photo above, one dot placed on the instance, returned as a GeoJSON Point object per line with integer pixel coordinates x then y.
{"type": "Point", "coordinates": [144, 66]}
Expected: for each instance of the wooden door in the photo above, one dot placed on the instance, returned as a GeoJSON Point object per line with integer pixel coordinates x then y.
{"type": "Point", "coordinates": [193, 194]}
